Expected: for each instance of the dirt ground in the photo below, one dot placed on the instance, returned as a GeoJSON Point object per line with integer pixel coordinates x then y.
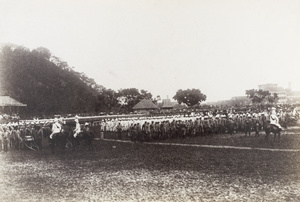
{"type": "Point", "coordinates": [117, 171]}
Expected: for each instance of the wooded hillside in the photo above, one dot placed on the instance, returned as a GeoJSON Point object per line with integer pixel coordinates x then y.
{"type": "Point", "coordinates": [46, 84]}
{"type": "Point", "coordinates": [50, 86]}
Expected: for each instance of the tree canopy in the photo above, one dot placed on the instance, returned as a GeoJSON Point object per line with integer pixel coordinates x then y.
{"type": "Point", "coordinates": [190, 97]}
{"type": "Point", "coordinates": [107, 101]}
{"type": "Point", "coordinates": [258, 96]}
{"type": "Point", "coordinates": [46, 87]}
{"type": "Point", "coordinates": [50, 86]}
{"type": "Point", "coordinates": [131, 96]}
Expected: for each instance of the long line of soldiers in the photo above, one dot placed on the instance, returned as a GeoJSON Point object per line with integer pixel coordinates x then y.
{"type": "Point", "coordinates": [12, 135]}
{"type": "Point", "coordinates": [148, 128]}
{"type": "Point", "coordinates": [163, 127]}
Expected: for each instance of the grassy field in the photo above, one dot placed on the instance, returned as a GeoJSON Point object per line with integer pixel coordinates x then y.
{"type": "Point", "coordinates": [118, 171]}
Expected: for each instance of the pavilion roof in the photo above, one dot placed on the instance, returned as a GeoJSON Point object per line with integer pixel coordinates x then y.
{"type": "Point", "coordinates": [6, 101]}
{"type": "Point", "coordinates": [145, 104]}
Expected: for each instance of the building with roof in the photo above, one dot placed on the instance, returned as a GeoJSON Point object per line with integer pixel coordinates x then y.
{"type": "Point", "coordinates": [285, 95]}
{"type": "Point", "coordinates": [6, 101]}
{"type": "Point", "coordinates": [8, 104]}
{"type": "Point", "coordinates": [145, 106]}
{"type": "Point", "coordinates": [9, 109]}
{"type": "Point", "coordinates": [168, 105]}
{"type": "Point", "coordinates": [274, 88]}
{"type": "Point", "coordinates": [293, 97]}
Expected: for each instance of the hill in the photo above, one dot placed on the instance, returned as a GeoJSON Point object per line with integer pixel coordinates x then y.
{"type": "Point", "coordinates": [45, 83]}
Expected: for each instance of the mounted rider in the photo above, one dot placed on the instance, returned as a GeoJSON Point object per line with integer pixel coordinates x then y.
{"type": "Point", "coordinates": [77, 129]}
{"type": "Point", "coordinates": [87, 127]}
{"type": "Point", "coordinates": [56, 128]}
{"type": "Point", "coordinates": [274, 119]}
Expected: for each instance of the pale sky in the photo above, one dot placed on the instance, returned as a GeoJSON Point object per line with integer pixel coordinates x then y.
{"type": "Point", "coordinates": [220, 47]}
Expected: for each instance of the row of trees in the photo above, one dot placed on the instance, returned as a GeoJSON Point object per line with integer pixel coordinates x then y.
{"type": "Point", "coordinates": [49, 85]}
{"type": "Point", "coordinates": [125, 99]}
{"type": "Point", "coordinates": [121, 101]}
{"type": "Point", "coordinates": [261, 96]}
{"type": "Point", "coordinates": [193, 97]}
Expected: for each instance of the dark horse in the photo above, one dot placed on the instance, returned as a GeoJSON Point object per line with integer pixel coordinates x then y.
{"type": "Point", "coordinates": [59, 140]}
{"type": "Point", "coordinates": [84, 136]}
{"type": "Point", "coordinates": [269, 128]}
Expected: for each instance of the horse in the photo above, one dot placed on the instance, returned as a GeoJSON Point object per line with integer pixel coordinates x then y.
{"type": "Point", "coordinates": [39, 135]}
{"type": "Point", "coordinates": [84, 136]}
{"type": "Point", "coordinates": [58, 140]}
{"type": "Point", "coordinates": [269, 128]}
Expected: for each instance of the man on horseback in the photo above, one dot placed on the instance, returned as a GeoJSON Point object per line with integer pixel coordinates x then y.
{"type": "Point", "coordinates": [56, 128]}
{"type": "Point", "coordinates": [77, 129]}
{"type": "Point", "coordinates": [274, 119]}
{"type": "Point", "coordinates": [87, 128]}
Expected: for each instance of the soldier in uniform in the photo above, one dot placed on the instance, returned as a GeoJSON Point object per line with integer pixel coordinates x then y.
{"type": "Point", "coordinates": [147, 130]}
{"type": "Point", "coordinates": [248, 125]}
{"type": "Point", "coordinates": [140, 136]}
{"type": "Point", "coordinates": [56, 128]}
{"type": "Point", "coordinates": [133, 133]}
{"type": "Point", "coordinates": [274, 119]}
{"type": "Point", "coordinates": [230, 125]}
{"type": "Point", "coordinates": [152, 129]}
{"type": "Point", "coordinates": [119, 131]}
{"type": "Point", "coordinates": [5, 139]}
{"type": "Point", "coordinates": [77, 129]}
{"type": "Point", "coordinates": [1, 137]}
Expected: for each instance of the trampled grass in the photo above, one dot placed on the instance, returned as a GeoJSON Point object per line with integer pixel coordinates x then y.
{"type": "Point", "coordinates": [118, 171]}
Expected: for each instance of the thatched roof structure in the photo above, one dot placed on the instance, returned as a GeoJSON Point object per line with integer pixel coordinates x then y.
{"type": "Point", "coordinates": [6, 101]}
{"type": "Point", "coordinates": [145, 105]}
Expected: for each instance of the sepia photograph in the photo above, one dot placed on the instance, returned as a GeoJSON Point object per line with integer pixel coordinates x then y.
{"type": "Point", "coordinates": [149, 100]}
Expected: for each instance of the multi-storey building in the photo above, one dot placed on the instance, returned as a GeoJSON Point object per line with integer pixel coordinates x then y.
{"type": "Point", "coordinates": [285, 95]}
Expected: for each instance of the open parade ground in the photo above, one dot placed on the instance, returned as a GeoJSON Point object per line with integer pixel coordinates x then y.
{"type": "Point", "coordinates": [208, 168]}
{"type": "Point", "coordinates": [149, 100]}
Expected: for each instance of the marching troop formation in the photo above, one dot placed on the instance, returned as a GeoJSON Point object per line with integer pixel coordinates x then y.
{"type": "Point", "coordinates": [163, 127]}
{"type": "Point", "coordinates": [13, 135]}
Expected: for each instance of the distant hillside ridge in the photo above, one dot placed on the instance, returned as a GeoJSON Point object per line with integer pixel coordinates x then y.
{"type": "Point", "coordinates": [45, 83]}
